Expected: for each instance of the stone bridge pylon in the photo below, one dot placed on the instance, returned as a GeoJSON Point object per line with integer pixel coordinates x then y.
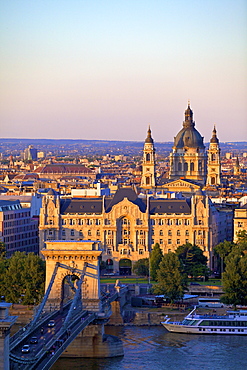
{"type": "Point", "coordinates": [66, 262]}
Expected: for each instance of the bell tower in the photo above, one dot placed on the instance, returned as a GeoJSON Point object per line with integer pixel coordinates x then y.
{"type": "Point", "coordinates": [148, 180]}
{"type": "Point", "coordinates": [214, 167]}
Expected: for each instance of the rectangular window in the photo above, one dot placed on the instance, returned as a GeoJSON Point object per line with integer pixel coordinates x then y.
{"type": "Point", "coordinates": [169, 241]}
{"type": "Point", "coordinates": [161, 241]}
{"type": "Point", "coordinates": [187, 232]}
{"type": "Point", "coordinates": [169, 232]}
{"type": "Point", "coordinates": [178, 233]}
{"type": "Point", "coordinates": [72, 232]}
{"type": "Point", "coordinates": [161, 232]}
{"type": "Point", "coordinates": [178, 241]}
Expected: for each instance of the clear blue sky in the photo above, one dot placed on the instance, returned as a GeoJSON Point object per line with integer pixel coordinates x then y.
{"type": "Point", "coordinates": [106, 69]}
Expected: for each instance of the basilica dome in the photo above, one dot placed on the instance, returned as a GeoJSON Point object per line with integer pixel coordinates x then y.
{"type": "Point", "coordinates": [188, 137]}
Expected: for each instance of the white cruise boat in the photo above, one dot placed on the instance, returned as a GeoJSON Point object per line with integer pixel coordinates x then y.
{"type": "Point", "coordinates": [234, 322]}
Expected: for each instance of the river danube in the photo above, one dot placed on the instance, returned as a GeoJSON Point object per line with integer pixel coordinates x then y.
{"type": "Point", "coordinates": [153, 348]}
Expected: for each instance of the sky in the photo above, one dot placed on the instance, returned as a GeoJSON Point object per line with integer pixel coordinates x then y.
{"type": "Point", "coordinates": [106, 69]}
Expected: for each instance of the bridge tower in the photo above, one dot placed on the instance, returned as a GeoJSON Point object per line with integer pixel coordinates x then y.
{"type": "Point", "coordinates": [73, 254]}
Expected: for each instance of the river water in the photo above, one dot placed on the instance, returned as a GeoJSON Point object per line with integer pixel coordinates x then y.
{"type": "Point", "coordinates": [153, 348]}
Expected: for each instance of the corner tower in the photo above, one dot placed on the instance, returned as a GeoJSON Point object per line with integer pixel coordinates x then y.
{"type": "Point", "coordinates": [148, 180]}
{"type": "Point", "coordinates": [214, 167]}
{"type": "Point", "coordinates": [188, 158]}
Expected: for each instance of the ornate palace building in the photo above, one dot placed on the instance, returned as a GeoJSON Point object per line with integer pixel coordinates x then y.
{"type": "Point", "coordinates": [128, 226]}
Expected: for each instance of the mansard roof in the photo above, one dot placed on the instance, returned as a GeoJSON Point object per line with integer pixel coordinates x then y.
{"type": "Point", "coordinates": [95, 205]}
{"type": "Point", "coordinates": [81, 205]}
{"type": "Point", "coordinates": [162, 206]}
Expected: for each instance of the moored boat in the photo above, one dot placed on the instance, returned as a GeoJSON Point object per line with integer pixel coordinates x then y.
{"type": "Point", "coordinates": [234, 322]}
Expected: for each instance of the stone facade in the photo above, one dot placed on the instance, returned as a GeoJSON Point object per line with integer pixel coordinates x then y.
{"type": "Point", "coordinates": [73, 254]}
{"type": "Point", "coordinates": [240, 221]}
{"type": "Point", "coordinates": [128, 226]}
{"type": "Point", "coordinates": [148, 180]}
{"type": "Point", "coordinates": [214, 167]}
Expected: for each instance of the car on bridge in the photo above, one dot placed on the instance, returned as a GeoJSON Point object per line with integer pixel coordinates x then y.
{"type": "Point", "coordinates": [25, 348]}
{"type": "Point", "coordinates": [51, 323]}
{"type": "Point", "coordinates": [34, 340]}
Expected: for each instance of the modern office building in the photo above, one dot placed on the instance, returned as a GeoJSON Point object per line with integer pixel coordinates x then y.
{"type": "Point", "coordinates": [18, 230]}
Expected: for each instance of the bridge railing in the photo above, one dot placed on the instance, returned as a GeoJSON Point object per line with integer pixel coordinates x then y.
{"type": "Point", "coordinates": [24, 332]}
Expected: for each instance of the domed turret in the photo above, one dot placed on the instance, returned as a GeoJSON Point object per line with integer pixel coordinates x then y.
{"type": "Point", "coordinates": [149, 138]}
{"type": "Point", "coordinates": [188, 158]}
{"type": "Point", "coordinates": [188, 137]}
{"type": "Point", "coordinates": [214, 138]}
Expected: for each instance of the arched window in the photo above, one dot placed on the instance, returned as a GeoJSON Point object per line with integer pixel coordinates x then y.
{"type": "Point", "coordinates": [213, 157]}
{"type": "Point", "coordinates": [147, 180]}
{"type": "Point", "coordinates": [213, 181]}
{"type": "Point", "coordinates": [179, 166]}
{"type": "Point", "coordinates": [185, 166]}
{"type": "Point", "coordinates": [148, 157]}
{"type": "Point", "coordinates": [192, 166]}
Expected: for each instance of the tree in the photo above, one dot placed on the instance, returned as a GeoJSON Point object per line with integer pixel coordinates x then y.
{"type": "Point", "coordinates": [23, 278]}
{"type": "Point", "coordinates": [155, 259]}
{"type": "Point", "coordinates": [222, 250]}
{"type": "Point", "coordinates": [2, 250]}
{"type": "Point", "coordinates": [242, 240]}
{"type": "Point", "coordinates": [172, 282]}
{"type": "Point", "coordinates": [234, 281]}
{"type": "Point", "coordinates": [193, 260]}
{"type": "Point", "coordinates": [141, 267]}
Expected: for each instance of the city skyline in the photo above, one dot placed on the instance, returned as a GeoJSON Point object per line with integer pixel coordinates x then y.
{"type": "Point", "coordinates": [106, 70]}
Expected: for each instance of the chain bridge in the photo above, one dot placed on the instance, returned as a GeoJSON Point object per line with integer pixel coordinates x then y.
{"type": "Point", "coordinates": [73, 306]}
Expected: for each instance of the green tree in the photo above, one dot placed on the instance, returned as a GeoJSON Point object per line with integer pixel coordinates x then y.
{"type": "Point", "coordinates": [193, 260]}
{"type": "Point", "coordinates": [24, 278]}
{"type": "Point", "coordinates": [242, 240]}
{"type": "Point", "coordinates": [234, 281]}
{"type": "Point", "coordinates": [222, 250]}
{"type": "Point", "coordinates": [2, 250]}
{"type": "Point", "coordinates": [141, 267]}
{"type": "Point", "coordinates": [172, 282]}
{"type": "Point", "coordinates": [155, 259]}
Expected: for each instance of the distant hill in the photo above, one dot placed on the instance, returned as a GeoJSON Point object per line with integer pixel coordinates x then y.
{"type": "Point", "coordinates": [62, 147]}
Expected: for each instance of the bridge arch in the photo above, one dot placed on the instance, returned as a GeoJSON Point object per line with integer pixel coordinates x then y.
{"type": "Point", "coordinates": [70, 258]}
